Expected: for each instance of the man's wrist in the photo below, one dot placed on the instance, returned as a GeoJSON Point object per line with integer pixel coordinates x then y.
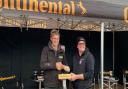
{"type": "Point", "coordinates": [80, 76]}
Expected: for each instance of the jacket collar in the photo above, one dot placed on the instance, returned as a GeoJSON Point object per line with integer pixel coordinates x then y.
{"type": "Point", "coordinates": [84, 53]}
{"type": "Point", "coordinates": [51, 48]}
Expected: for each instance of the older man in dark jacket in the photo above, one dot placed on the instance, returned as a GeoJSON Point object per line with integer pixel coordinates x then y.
{"type": "Point", "coordinates": [53, 62]}
{"type": "Point", "coordinates": [83, 66]}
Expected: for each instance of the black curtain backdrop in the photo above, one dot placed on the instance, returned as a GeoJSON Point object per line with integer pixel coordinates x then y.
{"type": "Point", "coordinates": [20, 52]}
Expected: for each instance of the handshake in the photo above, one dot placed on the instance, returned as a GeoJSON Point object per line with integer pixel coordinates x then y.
{"type": "Point", "coordinates": [60, 66]}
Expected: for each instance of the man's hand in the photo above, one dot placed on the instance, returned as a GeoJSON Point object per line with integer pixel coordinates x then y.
{"type": "Point", "coordinates": [66, 68]}
{"type": "Point", "coordinates": [76, 76]}
{"type": "Point", "coordinates": [59, 66]}
{"type": "Point", "coordinates": [73, 77]}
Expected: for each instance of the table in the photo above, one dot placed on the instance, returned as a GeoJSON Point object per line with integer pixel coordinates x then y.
{"type": "Point", "coordinates": [40, 82]}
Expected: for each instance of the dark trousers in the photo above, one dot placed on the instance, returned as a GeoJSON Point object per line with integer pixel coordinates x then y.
{"type": "Point", "coordinates": [81, 87]}
{"type": "Point", "coordinates": [53, 88]}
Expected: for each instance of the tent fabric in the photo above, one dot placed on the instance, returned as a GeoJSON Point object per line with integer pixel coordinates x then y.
{"type": "Point", "coordinates": [110, 11]}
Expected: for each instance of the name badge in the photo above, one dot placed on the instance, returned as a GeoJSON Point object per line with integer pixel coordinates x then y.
{"type": "Point", "coordinates": [60, 57]}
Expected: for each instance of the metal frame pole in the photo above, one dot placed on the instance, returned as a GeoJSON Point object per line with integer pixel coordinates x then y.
{"type": "Point", "coordinates": [102, 53]}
